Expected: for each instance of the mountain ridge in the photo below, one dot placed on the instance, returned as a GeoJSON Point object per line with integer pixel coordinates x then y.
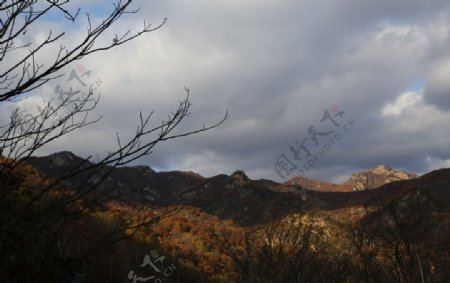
{"type": "Point", "coordinates": [235, 197]}
{"type": "Point", "coordinates": [362, 180]}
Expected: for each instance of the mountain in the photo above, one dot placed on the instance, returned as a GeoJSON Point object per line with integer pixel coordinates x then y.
{"type": "Point", "coordinates": [377, 176]}
{"type": "Point", "coordinates": [367, 233]}
{"type": "Point", "coordinates": [364, 180]}
{"type": "Point", "coordinates": [232, 197]}
{"type": "Point", "coordinates": [320, 186]}
{"type": "Point", "coordinates": [239, 198]}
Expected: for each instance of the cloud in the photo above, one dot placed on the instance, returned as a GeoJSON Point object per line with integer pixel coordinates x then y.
{"type": "Point", "coordinates": [403, 103]}
{"type": "Point", "coordinates": [436, 163]}
{"type": "Point", "coordinates": [277, 66]}
{"type": "Point", "coordinates": [438, 87]}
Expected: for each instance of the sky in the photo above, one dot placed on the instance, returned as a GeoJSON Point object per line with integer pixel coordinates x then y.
{"type": "Point", "coordinates": [318, 89]}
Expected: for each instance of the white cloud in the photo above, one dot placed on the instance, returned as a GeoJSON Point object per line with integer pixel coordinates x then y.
{"type": "Point", "coordinates": [207, 162]}
{"type": "Point", "coordinates": [404, 103]}
{"type": "Point", "coordinates": [434, 163]}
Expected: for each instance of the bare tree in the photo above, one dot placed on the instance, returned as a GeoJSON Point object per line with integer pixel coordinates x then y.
{"type": "Point", "coordinates": [410, 232]}
{"type": "Point", "coordinates": [405, 241]}
{"type": "Point", "coordinates": [286, 250]}
{"type": "Point", "coordinates": [26, 131]}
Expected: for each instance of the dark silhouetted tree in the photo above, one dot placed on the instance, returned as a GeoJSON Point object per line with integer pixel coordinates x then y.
{"type": "Point", "coordinates": [37, 215]}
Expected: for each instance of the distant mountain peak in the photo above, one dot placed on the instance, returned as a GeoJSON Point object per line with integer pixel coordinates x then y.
{"type": "Point", "coordinates": [63, 153]}
{"type": "Point", "coordinates": [239, 174]}
{"type": "Point", "coordinates": [144, 169]}
{"type": "Point", "coordinates": [380, 169]}
{"type": "Point", "coordinates": [315, 185]}
{"type": "Point", "coordinates": [359, 181]}
{"type": "Point", "coordinates": [239, 178]}
{"type": "Point", "coordinates": [62, 158]}
{"type": "Point", "coordinates": [378, 176]}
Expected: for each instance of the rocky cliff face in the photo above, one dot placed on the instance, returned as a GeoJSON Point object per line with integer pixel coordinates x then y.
{"type": "Point", "coordinates": [376, 177]}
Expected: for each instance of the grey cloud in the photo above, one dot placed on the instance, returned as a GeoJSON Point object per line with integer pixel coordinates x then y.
{"type": "Point", "coordinates": [276, 66]}
{"type": "Point", "coordinates": [438, 84]}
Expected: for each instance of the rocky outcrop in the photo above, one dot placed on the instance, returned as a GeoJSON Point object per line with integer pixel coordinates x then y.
{"type": "Point", "coordinates": [63, 158]}
{"type": "Point", "coordinates": [239, 177]}
{"type": "Point", "coordinates": [376, 177]}
{"type": "Point", "coordinates": [370, 179]}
